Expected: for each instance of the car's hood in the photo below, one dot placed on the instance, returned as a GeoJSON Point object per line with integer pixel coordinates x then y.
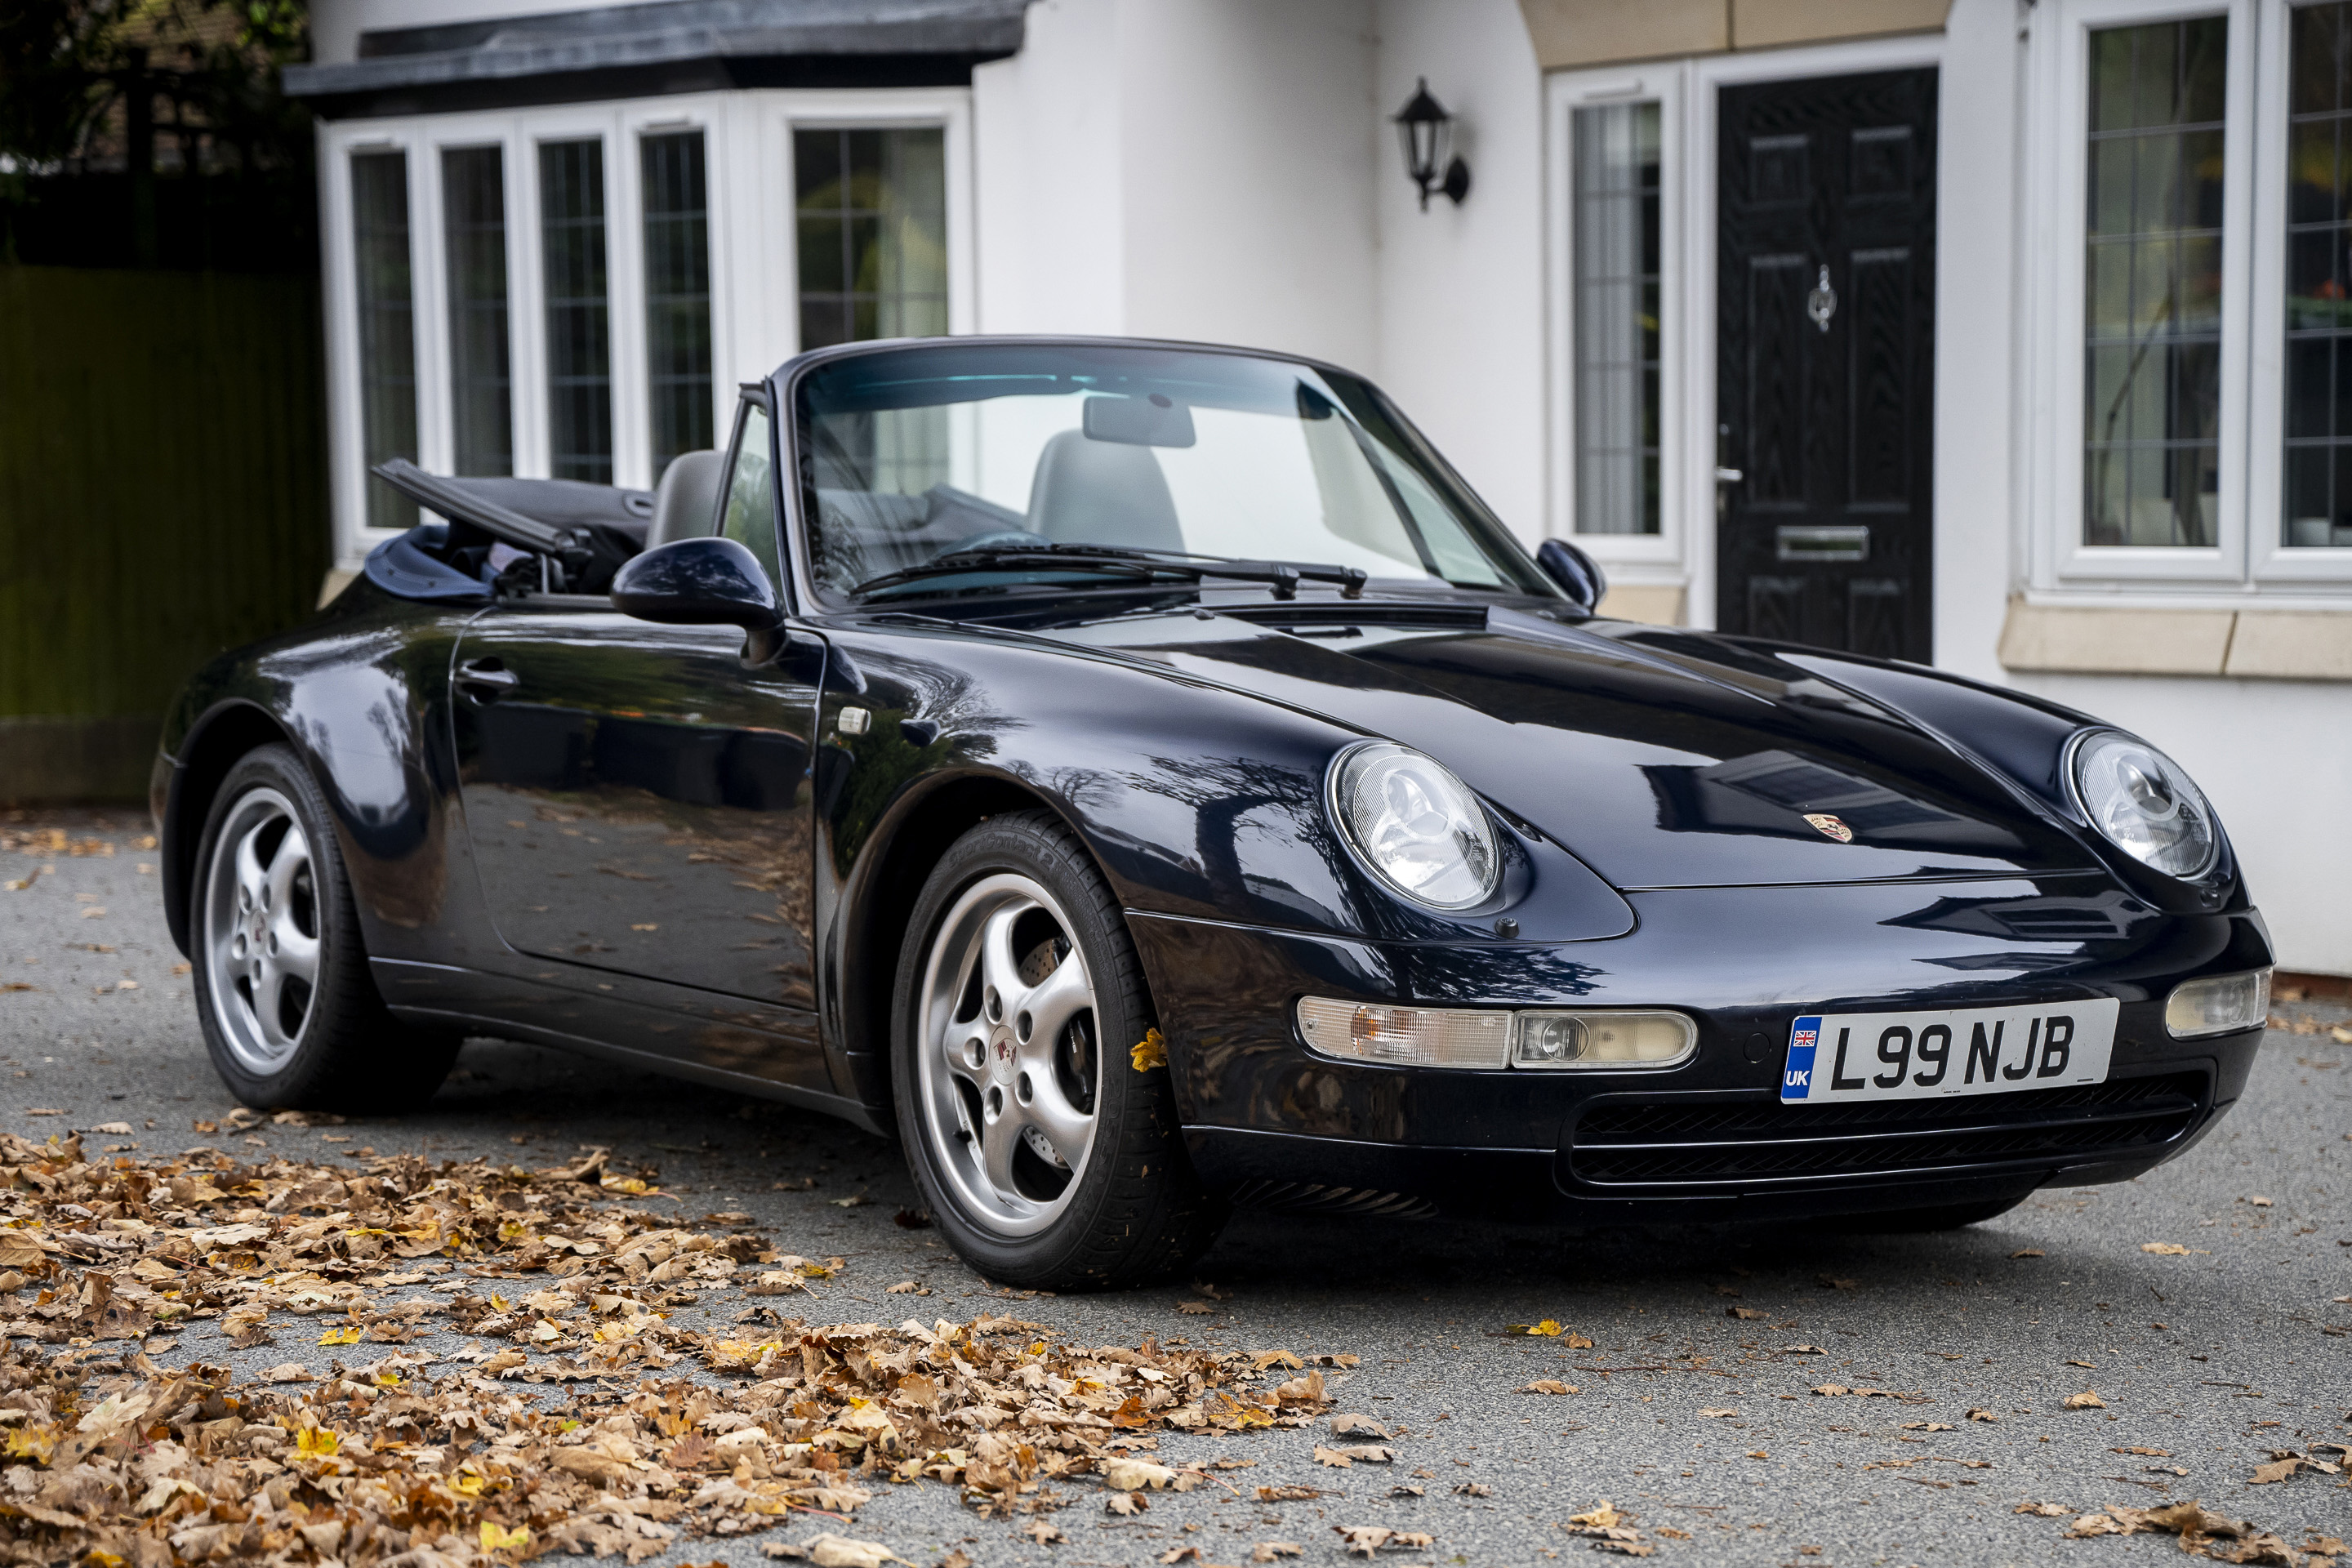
{"type": "Point", "coordinates": [1660, 767]}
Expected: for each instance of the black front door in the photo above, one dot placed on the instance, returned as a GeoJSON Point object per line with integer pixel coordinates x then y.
{"type": "Point", "coordinates": [1826, 312]}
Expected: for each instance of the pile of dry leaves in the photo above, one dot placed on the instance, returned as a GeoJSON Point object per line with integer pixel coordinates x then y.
{"type": "Point", "coordinates": [110, 1458]}
{"type": "Point", "coordinates": [2201, 1531]}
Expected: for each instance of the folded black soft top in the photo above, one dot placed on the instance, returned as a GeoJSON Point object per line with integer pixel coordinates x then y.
{"type": "Point", "coordinates": [530, 514]}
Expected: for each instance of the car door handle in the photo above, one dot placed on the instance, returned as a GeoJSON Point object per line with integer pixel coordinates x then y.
{"type": "Point", "coordinates": [485, 679]}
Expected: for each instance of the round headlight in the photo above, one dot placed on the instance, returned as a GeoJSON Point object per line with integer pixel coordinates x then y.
{"type": "Point", "coordinates": [2145, 804]}
{"type": "Point", "coordinates": [1415, 825]}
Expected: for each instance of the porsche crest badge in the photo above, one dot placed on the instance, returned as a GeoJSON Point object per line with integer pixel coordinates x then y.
{"type": "Point", "coordinates": [1831, 826]}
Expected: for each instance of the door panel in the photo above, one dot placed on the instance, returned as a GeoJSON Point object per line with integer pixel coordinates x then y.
{"type": "Point", "coordinates": [1825, 322]}
{"type": "Point", "coordinates": [638, 799]}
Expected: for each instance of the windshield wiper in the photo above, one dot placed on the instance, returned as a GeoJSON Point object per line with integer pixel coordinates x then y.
{"type": "Point", "coordinates": [1283, 575]}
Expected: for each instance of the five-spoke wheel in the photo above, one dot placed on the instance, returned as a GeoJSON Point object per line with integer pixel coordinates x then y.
{"type": "Point", "coordinates": [1046, 1155]}
{"type": "Point", "coordinates": [290, 1012]}
{"type": "Point", "coordinates": [1008, 1011]}
{"type": "Point", "coordinates": [260, 934]}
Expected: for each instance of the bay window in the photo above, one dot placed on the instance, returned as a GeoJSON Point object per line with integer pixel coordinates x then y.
{"type": "Point", "coordinates": [2191, 246]}
{"type": "Point", "coordinates": [572, 291]}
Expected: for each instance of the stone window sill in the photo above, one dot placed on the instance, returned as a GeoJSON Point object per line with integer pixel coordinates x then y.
{"type": "Point", "coordinates": [2268, 645]}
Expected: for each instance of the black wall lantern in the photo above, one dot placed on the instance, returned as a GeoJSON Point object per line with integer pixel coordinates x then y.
{"type": "Point", "coordinates": [1427, 132]}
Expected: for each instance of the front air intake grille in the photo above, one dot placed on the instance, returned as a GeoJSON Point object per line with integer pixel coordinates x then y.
{"type": "Point", "coordinates": [1313, 1197]}
{"type": "Point", "coordinates": [1750, 1141]}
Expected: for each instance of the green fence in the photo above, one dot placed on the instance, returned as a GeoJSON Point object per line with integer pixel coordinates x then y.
{"type": "Point", "coordinates": [162, 496]}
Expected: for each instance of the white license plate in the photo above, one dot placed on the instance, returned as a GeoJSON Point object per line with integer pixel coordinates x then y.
{"type": "Point", "coordinates": [1841, 1056]}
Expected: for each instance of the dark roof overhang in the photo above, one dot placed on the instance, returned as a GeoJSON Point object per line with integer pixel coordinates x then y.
{"type": "Point", "coordinates": [662, 46]}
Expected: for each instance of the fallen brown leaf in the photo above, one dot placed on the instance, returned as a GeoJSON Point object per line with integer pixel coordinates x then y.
{"type": "Point", "coordinates": [1364, 1539]}
{"type": "Point", "coordinates": [2086, 1400]}
{"type": "Point", "coordinates": [830, 1551]}
{"type": "Point", "coordinates": [1354, 1453]}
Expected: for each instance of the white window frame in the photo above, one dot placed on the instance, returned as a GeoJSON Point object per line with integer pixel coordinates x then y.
{"type": "Point", "coordinates": [2250, 558]}
{"type": "Point", "coordinates": [2271, 562]}
{"type": "Point", "coordinates": [1682, 553]}
{"type": "Point", "coordinates": [2058, 232]}
{"type": "Point", "coordinates": [1630, 557]}
{"type": "Point", "coordinates": [754, 291]}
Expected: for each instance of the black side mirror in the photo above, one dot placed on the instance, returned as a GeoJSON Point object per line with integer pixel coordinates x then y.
{"type": "Point", "coordinates": [700, 581]}
{"type": "Point", "coordinates": [1579, 575]}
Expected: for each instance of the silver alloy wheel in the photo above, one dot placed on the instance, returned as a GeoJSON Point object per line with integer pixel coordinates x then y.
{"type": "Point", "coordinates": [260, 934]}
{"type": "Point", "coordinates": [1008, 1056]}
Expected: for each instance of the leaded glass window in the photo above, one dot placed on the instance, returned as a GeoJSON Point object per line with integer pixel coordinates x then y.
{"type": "Point", "coordinates": [1616, 251]}
{"type": "Point", "coordinates": [387, 326]}
{"type": "Point", "coordinates": [677, 294]}
{"type": "Point", "coordinates": [579, 336]}
{"type": "Point", "coordinates": [2318, 436]}
{"type": "Point", "coordinates": [872, 222]}
{"type": "Point", "coordinates": [2152, 387]}
{"type": "Point", "coordinates": [474, 236]}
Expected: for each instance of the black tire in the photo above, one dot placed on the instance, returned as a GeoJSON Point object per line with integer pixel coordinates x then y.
{"type": "Point", "coordinates": [1131, 1210]}
{"type": "Point", "coordinates": [1920, 1220]}
{"type": "Point", "coordinates": [344, 1051]}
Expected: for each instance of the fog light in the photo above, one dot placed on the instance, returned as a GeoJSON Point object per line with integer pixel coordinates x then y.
{"type": "Point", "coordinates": [1602, 1039]}
{"type": "Point", "coordinates": [1407, 1037]}
{"type": "Point", "coordinates": [2217, 1004]}
{"type": "Point", "coordinates": [1551, 1039]}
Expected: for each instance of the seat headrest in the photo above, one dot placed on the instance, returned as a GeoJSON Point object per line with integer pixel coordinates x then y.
{"type": "Point", "coordinates": [686, 503]}
{"type": "Point", "coordinates": [1102, 492]}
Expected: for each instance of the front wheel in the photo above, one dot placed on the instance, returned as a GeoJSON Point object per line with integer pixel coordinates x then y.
{"type": "Point", "coordinates": [291, 1014]}
{"type": "Point", "coordinates": [1047, 1158]}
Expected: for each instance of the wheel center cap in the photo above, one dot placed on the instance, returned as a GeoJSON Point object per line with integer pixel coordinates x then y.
{"type": "Point", "coordinates": [1002, 1065]}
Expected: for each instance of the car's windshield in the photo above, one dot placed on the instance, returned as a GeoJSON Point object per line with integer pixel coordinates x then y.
{"type": "Point", "coordinates": [910, 455]}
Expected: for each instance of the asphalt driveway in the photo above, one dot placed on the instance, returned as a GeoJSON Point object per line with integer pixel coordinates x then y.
{"type": "Point", "coordinates": [1698, 1408]}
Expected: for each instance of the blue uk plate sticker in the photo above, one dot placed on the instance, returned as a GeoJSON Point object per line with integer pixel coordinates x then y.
{"type": "Point", "coordinates": [1797, 1077]}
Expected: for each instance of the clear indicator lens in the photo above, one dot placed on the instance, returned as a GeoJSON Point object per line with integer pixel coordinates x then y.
{"type": "Point", "coordinates": [1406, 1036]}
{"type": "Point", "coordinates": [2217, 1004]}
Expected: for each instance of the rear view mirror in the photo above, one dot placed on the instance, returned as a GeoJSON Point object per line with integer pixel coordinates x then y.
{"type": "Point", "coordinates": [701, 582]}
{"type": "Point", "coordinates": [1578, 574]}
{"type": "Point", "coordinates": [1154, 421]}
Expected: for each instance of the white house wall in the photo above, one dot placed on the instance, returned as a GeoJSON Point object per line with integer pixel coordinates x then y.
{"type": "Point", "coordinates": [1462, 311]}
{"type": "Point", "coordinates": [2275, 756]}
{"type": "Point", "coordinates": [1049, 208]}
{"type": "Point", "coordinates": [1188, 171]}
{"type": "Point", "coordinates": [1977, 333]}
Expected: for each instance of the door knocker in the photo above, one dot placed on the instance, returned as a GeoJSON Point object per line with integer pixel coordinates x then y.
{"type": "Point", "coordinates": [1821, 303]}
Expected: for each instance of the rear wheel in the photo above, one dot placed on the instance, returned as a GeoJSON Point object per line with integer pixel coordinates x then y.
{"type": "Point", "coordinates": [1047, 1159]}
{"type": "Point", "coordinates": [291, 1014]}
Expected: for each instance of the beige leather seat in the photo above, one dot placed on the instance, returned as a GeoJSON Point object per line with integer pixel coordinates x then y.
{"type": "Point", "coordinates": [1103, 492]}
{"type": "Point", "coordinates": [686, 502]}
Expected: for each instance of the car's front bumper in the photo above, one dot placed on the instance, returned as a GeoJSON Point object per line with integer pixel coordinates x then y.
{"type": "Point", "coordinates": [1273, 1123]}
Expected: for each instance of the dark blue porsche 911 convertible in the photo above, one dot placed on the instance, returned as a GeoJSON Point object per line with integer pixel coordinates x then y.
{"type": "Point", "coordinates": [1144, 778]}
